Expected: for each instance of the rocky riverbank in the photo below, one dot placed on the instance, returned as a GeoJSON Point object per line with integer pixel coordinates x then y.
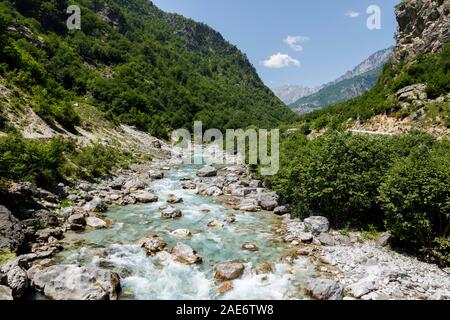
{"type": "Point", "coordinates": [346, 266]}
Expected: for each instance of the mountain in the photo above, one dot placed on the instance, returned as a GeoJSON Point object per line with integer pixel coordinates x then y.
{"type": "Point", "coordinates": [135, 63]}
{"type": "Point", "coordinates": [352, 84]}
{"type": "Point", "coordinates": [413, 90]}
{"type": "Point", "coordinates": [291, 93]}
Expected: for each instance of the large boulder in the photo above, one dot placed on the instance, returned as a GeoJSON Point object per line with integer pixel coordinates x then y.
{"type": "Point", "coordinates": [325, 289]}
{"type": "Point", "coordinates": [153, 245]}
{"type": "Point", "coordinates": [362, 287]}
{"type": "Point", "coordinates": [95, 205]}
{"type": "Point", "coordinates": [207, 171]}
{"type": "Point", "coordinates": [72, 282]}
{"type": "Point", "coordinates": [317, 224]}
{"type": "Point", "coordinates": [185, 254]}
{"type": "Point", "coordinates": [146, 197]}
{"type": "Point", "coordinates": [12, 235]}
{"type": "Point", "coordinates": [229, 270]}
{"type": "Point", "coordinates": [171, 213]}
{"type": "Point", "coordinates": [268, 201]}
{"type": "Point", "coordinates": [16, 277]}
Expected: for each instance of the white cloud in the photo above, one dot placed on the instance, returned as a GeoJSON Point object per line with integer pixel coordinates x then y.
{"type": "Point", "coordinates": [352, 14]}
{"type": "Point", "coordinates": [293, 42]}
{"type": "Point", "coordinates": [280, 60]}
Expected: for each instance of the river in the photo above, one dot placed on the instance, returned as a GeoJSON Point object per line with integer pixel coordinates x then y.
{"type": "Point", "coordinates": [160, 277]}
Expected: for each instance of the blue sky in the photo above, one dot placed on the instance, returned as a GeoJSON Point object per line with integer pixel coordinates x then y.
{"type": "Point", "coordinates": [327, 37]}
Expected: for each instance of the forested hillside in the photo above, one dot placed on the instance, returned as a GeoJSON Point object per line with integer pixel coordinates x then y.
{"type": "Point", "coordinates": [139, 65]}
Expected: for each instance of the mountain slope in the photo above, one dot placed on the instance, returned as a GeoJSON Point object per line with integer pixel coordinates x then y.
{"type": "Point", "coordinates": [139, 65]}
{"type": "Point", "coordinates": [352, 84]}
{"type": "Point", "coordinates": [291, 93]}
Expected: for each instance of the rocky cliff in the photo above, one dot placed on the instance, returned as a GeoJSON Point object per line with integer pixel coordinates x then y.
{"type": "Point", "coordinates": [423, 27]}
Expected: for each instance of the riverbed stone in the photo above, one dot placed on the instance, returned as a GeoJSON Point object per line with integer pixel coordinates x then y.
{"type": "Point", "coordinates": [249, 205]}
{"type": "Point", "coordinates": [95, 205]}
{"type": "Point", "coordinates": [96, 223]}
{"type": "Point", "coordinates": [185, 254]}
{"type": "Point", "coordinates": [153, 245]}
{"type": "Point", "coordinates": [282, 210]}
{"type": "Point", "coordinates": [72, 282]}
{"type": "Point", "coordinates": [229, 270]}
{"type": "Point", "coordinates": [12, 235]}
{"type": "Point", "coordinates": [44, 234]}
{"type": "Point", "coordinates": [172, 199]}
{"type": "Point", "coordinates": [362, 287]}
{"type": "Point", "coordinates": [215, 224]}
{"type": "Point", "coordinates": [77, 218]}
{"type": "Point", "coordinates": [264, 268]}
{"type": "Point", "coordinates": [171, 213]}
{"type": "Point", "coordinates": [146, 197]}
{"type": "Point", "coordinates": [207, 171]}
{"type": "Point", "coordinates": [16, 277]}
{"type": "Point", "coordinates": [249, 247]}
{"type": "Point", "coordinates": [225, 287]}
{"type": "Point", "coordinates": [212, 191]}
{"type": "Point", "coordinates": [156, 175]}
{"type": "Point", "coordinates": [181, 233]}
{"type": "Point", "coordinates": [268, 201]}
{"type": "Point", "coordinates": [325, 289]}
{"type": "Point", "coordinates": [317, 224]}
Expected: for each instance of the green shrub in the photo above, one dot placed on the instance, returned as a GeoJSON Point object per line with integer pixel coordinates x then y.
{"type": "Point", "coordinates": [6, 255]}
{"type": "Point", "coordinates": [96, 161]}
{"type": "Point", "coordinates": [32, 160]}
{"type": "Point", "coordinates": [416, 196]}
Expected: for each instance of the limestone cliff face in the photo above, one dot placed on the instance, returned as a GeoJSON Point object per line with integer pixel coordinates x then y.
{"type": "Point", "coordinates": [423, 27]}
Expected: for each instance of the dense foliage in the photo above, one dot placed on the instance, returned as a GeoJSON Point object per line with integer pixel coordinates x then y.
{"type": "Point", "coordinates": [431, 69]}
{"type": "Point", "coordinates": [139, 65]}
{"type": "Point", "coordinates": [47, 163]}
{"type": "Point", "coordinates": [400, 183]}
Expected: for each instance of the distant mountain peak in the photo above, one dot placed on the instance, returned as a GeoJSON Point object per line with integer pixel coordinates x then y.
{"type": "Point", "coordinates": [291, 93]}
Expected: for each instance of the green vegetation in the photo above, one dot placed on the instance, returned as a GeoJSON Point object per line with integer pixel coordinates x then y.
{"type": "Point", "coordinates": [399, 183]}
{"type": "Point", "coordinates": [431, 69]}
{"type": "Point", "coordinates": [47, 163]}
{"type": "Point", "coordinates": [6, 255]}
{"type": "Point", "coordinates": [137, 64]}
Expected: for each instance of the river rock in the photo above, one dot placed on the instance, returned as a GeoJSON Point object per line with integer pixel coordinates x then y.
{"type": "Point", "coordinates": [171, 213]}
{"type": "Point", "coordinates": [212, 191]}
{"type": "Point", "coordinates": [207, 171]}
{"type": "Point", "coordinates": [229, 270]}
{"type": "Point", "coordinates": [268, 201]}
{"type": "Point", "coordinates": [264, 268]}
{"type": "Point", "coordinates": [95, 205]}
{"type": "Point", "coordinates": [249, 247]}
{"type": "Point", "coordinates": [44, 234]}
{"type": "Point", "coordinates": [153, 245]}
{"type": "Point", "coordinates": [231, 218]}
{"type": "Point", "coordinates": [282, 210]}
{"type": "Point", "coordinates": [255, 184]}
{"type": "Point", "coordinates": [188, 185]}
{"type": "Point", "coordinates": [317, 224]}
{"type": "Point", "coordinates": [249, 205]}
{"type": "Point", "coordinates": [5, 293]}
{"type": "Point", "coordinates": [96, 223]}
{"type": "Point", "coordinates": [326, 239]}
{"type": "Point", "coordinates": [305, 237]}
{"type": "Point", "coordinates": [181, 233]}
{"type": "Point", "coordinates": [12, 236]}
{"type": "Point", "coordinates": [156, 175]}
{"type": "Point", "coordinates": [47, 218]}
{"type": "Point", "coordinates": [225, 287]}
{"type": "Point", "coordinates": [16, 277]}
{"type": "Point", "coordinates": [146, 197]}
{"type": "Point", "coordinates": [134, 185]}
{"type": "Point", "coordinates": [325, 289]}
{"type": "Point", "coordinates": [77, 218]}
{"type": "Point", "coordinates": [362, 287]}
{"type": "Point", "coordinates": [171, 198]}
{"type": "Point", "coordinates": [215, 224]}
{"type": "Point", "coordinates": [185, 254]}
{"type": "Point", "coordinates": [71, 282]}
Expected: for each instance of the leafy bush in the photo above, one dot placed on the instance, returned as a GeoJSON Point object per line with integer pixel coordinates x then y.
{"type": "Point", "coordinates": [416, 196]}
{"type": "Point", "coordinates": [96, 161]}
{"type": "Point", "coordinates": [32, 160]}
